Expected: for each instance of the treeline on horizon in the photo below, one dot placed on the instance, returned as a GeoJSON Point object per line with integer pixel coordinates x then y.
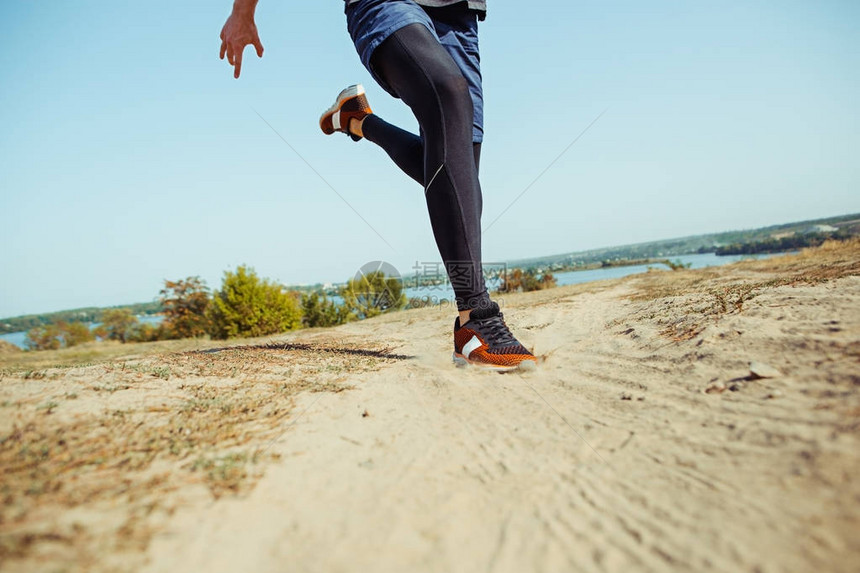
{"type": "Point", "coordinates": [696, 244]}
{"type": "Point", "coordinates": [247, 306]}
{"type": "Point", "coordinates": [783, 244]}
{"type": "Point", "coordinates": [85, 315]}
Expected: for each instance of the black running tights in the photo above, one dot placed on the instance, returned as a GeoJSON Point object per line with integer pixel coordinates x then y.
{"type": "Point", "coordinates": [444, 160]}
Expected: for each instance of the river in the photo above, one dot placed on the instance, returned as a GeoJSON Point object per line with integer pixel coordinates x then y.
{"type": "Point", "coordinates": [437, 293]}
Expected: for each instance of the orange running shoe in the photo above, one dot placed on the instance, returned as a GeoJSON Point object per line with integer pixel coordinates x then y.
{"type": "Point", "coordinates": [486, 341]}
{"type": "Point", "coordinates": [351, 103]}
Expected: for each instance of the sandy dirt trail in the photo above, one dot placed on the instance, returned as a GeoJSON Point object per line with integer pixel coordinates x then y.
{"type": "Point", "coordinates": [642, 444]}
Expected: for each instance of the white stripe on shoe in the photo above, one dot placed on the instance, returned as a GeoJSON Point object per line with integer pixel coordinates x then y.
{"type": "Point", "coordinates": [471, 346]}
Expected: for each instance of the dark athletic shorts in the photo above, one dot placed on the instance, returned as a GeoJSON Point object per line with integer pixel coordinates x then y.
{"type": "Point", "coordinates": [371, 22]}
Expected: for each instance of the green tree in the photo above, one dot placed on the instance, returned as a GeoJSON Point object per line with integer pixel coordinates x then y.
{"type": "Point", "coordinates": [318, 310]}
{"type": "Point", "coordinates": [249, 306]}
{"type": "Point", "coordinates": [372, 294]}
{"type": "Point", "coordinates": [118, 324]}
{"type": "Point", "coordinates": [185, 303]}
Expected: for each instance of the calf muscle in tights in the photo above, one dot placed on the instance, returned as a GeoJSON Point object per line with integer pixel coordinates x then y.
{"type": "Point", "coordinates": [444, 160]}
{"type": "Point", "coordinates": [404, 148]}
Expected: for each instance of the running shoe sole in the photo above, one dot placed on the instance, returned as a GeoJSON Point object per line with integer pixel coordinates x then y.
{"type": "Point", "coordinates": [526, 365]}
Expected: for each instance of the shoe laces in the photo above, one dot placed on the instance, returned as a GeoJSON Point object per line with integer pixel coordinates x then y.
{"type": "Point", "coordinates": [496, 331]}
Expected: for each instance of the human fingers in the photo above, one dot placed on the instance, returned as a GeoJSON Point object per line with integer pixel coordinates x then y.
{"type": "Point", "coordinates": [230, 53]}
{"type": "Point", "coordinates": [223, 49]}
{"type": "Point", "coordinates": [259, 46]}
{"type": "Point", "coordinates": [237, 59]}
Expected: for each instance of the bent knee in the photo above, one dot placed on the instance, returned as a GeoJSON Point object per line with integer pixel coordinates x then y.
{"type": "Point", "coordinates": [453, 89]}
{"type": "Point", "coordinates": [453, 98]}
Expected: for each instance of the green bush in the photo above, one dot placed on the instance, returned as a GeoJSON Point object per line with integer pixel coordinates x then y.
{"type": "Point", "coordinates": [318, 310]}
{"type": "Point", "coordinates": [373, 294]}
{"type": "Point", "coordinates": [248, 306]}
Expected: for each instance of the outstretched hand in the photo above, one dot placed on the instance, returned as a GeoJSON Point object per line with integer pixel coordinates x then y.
{"type": "Point", "coordinates": [239, 31]}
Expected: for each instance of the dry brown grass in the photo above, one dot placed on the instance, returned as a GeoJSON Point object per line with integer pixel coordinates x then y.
{"type": "Point", "coordinates": [98, 352]}
{"type": "Point", "coordinates": [706, 295]}
{"type": "Point", "coordinates": [122, 436]}
{"type": "Point", "coordinates": [8, 348]}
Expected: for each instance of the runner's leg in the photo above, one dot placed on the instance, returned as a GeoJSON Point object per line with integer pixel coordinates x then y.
{"type": "Point", "coordinates": [404, 148]}
{"type": "Point", "coordinates": [428, 80]}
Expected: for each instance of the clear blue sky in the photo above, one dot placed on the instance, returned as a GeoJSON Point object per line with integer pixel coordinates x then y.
{"type": "Point", "coordinates": [131, 155]}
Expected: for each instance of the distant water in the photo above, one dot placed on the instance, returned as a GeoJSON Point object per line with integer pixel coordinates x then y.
{"type": "Point", "coordinates": [696, 262]}
{"type": "Point", "coordinates": [437, 293]}
{"type": "Point", "coordinates": [16, 338]}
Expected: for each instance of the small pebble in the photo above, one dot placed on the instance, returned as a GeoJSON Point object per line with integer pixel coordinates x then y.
{"type": "Point", "coordinates": [762, 370]}
{"type": "Point", "coordinates": [715, 388]}
{"type": "Point", "coordinates": [773, 394]}
{"type": "Point", "coordinates": [626, 396]}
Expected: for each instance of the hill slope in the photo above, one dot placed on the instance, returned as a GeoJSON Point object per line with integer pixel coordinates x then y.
{"type": "Point", "coordinates": [642, 443]}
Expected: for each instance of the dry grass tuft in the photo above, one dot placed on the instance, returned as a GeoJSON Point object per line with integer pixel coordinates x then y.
{"type": "Point", "coordinates": [122, 436]}
{"type": "Point", "coordinates": [704, 296]}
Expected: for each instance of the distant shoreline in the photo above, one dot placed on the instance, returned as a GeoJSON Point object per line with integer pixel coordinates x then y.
{"type": "Point", "coordinates": [774, 239]}
{"type": "Point", "coordinates": [436, 293]}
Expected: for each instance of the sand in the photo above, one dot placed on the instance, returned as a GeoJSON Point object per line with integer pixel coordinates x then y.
{"type": "Point", "coordinates": [643, 442]}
